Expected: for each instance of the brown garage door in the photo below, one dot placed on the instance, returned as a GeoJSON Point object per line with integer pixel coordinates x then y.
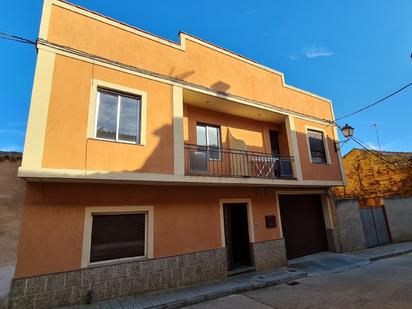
{"type": "Point", "coordinates": [302, 224]}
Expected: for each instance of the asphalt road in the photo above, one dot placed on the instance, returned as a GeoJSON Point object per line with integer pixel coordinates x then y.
{"type": "Point", "coordinates": [381, 284]}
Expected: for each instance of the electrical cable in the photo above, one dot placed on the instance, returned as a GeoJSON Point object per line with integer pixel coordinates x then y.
{"type": "Point", "coordinates": [374, 103]}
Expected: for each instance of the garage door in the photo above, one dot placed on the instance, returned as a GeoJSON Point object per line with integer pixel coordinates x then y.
{"type": "Point", "coordinates": [303, 224]}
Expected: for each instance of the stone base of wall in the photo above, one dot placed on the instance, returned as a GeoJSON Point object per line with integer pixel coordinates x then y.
{"type": "Point", "coordinates": [269, 254]}
{"type": "Point", "coordinates": [117, 280]}
{"type": "Point", "coordinates": [333, 239]}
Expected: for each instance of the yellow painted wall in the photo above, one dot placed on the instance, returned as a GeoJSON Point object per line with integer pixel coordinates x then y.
{"type": "Point", "coordinates": [197, 64]}
{"type": "Point", "coordinates": [315, 171]}
{"type": "Point", "coordinates": [66, 145]}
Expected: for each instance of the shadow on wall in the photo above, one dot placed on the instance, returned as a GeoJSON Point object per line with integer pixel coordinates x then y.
{"type": "Point", "coordinates": [181, 76]}
{"type": "Point", "coordinates": [220, 87]}
{"type": "Point", "coordinates": [235, 143]}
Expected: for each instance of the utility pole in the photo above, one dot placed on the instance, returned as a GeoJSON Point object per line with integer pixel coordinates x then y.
{"type": "Point", "coordinates": [377, 136]}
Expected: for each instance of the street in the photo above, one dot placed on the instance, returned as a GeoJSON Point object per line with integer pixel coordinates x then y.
{"type": "Point", "coordinates": [381, 284]}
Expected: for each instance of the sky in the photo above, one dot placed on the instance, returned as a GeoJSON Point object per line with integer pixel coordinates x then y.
{"type": "Point", "coordinates": [352, 52]}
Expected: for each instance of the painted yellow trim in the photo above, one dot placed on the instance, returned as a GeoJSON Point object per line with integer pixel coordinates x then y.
{"type": "Point", "coordinates": [278, 214]}
{"type": "Point", "coordinates": [341, 167]}
{"type": "Point", "coordinates": [45, 19]}
{"type": "Point", "coordinates": [182, 42]}
{"type": "Point", "coordinates": [251, 227]}
{"type": "Point", "coordinates": [327, 212]}
{"type": "Point", "coordinates": [116, 87]}
{"type": "Point", "coordinates": [200, 89]}
{"type": "Point", "coordinates": [70, 175]}
{"type": "Point", "coordinates": [87, 231]}
{"type": "Point", "coordinates": [293, 146]}
{"type": "Point", "coordinates": [325, 143]}
{"type": "Point", "coordinates": [39, 107]}
{"type": "Point", "coordinates": [178, 132]}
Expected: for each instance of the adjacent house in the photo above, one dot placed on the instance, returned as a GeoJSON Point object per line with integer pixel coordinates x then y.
{"type": "Point", "coordinates": [375, 206]}
{"type": "Point", "coordinates": [11, 200]}
{"type": "Point", "coordinates": [152, 164]}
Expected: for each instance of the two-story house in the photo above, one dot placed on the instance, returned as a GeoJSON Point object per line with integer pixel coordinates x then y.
{"type": "Point", "coordinates": [153, 164]}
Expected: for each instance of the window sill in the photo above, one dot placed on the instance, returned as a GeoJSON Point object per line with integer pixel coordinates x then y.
{"type": "Point", "coordinates": [117, 261]}
{"type": "Point", "coordinates": [319, 163]}
{"type": "Point", "coordinates": [115, 142]}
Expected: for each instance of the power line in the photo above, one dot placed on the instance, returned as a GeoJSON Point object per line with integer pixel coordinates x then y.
{"type": "Point", "coordinates": [374, 103]}
{"type": "Point", "coordinates": [15, 38]}
{"type": "Point", "coordinates": [375, 153]}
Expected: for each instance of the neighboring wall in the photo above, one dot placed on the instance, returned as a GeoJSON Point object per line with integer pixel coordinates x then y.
{"type": "Point", "coordinates": [399, 216]}
{"type": "Point", "coordinates": [186, 219]}
{"type": "Point", "coordinates": [368, 176]}
{"type": "Point", "coordinates": [11, 199]}
{"type": "Point", "coordinates": [350, 225]}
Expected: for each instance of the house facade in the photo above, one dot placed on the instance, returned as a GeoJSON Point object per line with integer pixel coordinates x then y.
{"type": "Point", "coordinates": [152, 164]}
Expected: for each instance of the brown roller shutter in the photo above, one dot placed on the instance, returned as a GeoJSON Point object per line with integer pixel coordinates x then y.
{"type": "Point", "coordinates": [117, 236]}
{"type": "Point", "coordinates": [303, 224]}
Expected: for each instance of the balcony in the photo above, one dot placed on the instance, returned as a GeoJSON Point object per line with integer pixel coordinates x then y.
{"type": "Point", "coordinates": [226, 162]}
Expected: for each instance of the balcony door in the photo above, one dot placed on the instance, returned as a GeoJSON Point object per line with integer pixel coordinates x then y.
{"type": "Point", "coordinates": [274, 143]}
{"type": "Point", "coordinates": [209, 136]}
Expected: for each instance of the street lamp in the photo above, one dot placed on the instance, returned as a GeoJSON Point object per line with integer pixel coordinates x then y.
{"type": "Point", "coordinates": [347, 131]}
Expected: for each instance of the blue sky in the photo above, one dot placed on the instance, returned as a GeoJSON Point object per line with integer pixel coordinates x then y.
{"type": "Point", "coordinates": [353, 52]}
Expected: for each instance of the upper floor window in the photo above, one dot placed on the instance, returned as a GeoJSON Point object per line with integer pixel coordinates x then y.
{"type": "Point", "coordinates": [118, 117]}
{"type": "Point", "coordinates": [317, 146]}
{"type": "Point", "coordinates": [209, 136]}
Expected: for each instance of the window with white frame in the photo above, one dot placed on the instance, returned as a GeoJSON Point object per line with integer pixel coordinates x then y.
{"type": "Point", "coordinates": [118, 116]}
{"type": "Point", "coordinates": [209, 136]}
{"type": "Point", "coordinates": [316, 141]}
{"type": "Point", "coordinates": [117, 236]}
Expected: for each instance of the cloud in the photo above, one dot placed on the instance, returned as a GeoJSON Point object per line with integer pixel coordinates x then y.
{"type": "Point", "coordinates": [372, 145]}
{"type": "Point", "coordinates": [316, 51]}
{"type": "Point", "coordinates": [292, 57]}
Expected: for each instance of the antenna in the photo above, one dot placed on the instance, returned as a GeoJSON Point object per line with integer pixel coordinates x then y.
{"type": "Point", "coordinates": [377, 136]}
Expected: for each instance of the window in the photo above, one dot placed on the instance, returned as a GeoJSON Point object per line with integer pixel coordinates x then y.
{"type": "Point", "coordinates": [116, 236]}
{"type": "Point", "coordinates": [118, 117]}
{"type": "Point", "coordinates": [209, 136]}
{"type": "Point", "coordinates": [317, 146]}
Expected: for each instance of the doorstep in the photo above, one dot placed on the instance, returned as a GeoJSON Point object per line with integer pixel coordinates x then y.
{"type": "Point", "coordinates": [176, 298]}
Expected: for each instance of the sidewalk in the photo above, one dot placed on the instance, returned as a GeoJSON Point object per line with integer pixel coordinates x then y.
{"type": "Point", "coordinates": [313, 265]}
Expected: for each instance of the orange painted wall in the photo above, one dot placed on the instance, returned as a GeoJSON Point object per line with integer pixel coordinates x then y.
{"type": "Point", "coordinates": [253, 134]}
{"type": "Point", "coordinates": [197, 64]}
{"type": "Point", "coordinates": [314, 171]}
{"type": "Point", "coordinates": [53, 217]}
{"type": "Point", "coordinates": [66, 145]}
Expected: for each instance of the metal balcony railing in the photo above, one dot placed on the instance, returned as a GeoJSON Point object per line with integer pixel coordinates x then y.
{"type": "Point", "coordinates": [215, 161]}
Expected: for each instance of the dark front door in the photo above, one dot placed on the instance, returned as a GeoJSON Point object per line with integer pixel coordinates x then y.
{"type": "Point", "coordinates": [237, 235]}
{"type": "Point", "coordinates": [303, 224]}
{"type": "Point", "coordinates": [274, 143]}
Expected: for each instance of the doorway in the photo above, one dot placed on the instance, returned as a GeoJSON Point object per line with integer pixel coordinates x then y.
{"type": "Point", "coordinates": [237, 235]}
{"type": "Point", "coordinates": [274, 143]}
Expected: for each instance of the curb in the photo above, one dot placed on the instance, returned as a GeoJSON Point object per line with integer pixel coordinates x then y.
{"type": "Point", "coordinates": [389, 255]}
{"type": "Point", "coordinates": [235, 290]}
